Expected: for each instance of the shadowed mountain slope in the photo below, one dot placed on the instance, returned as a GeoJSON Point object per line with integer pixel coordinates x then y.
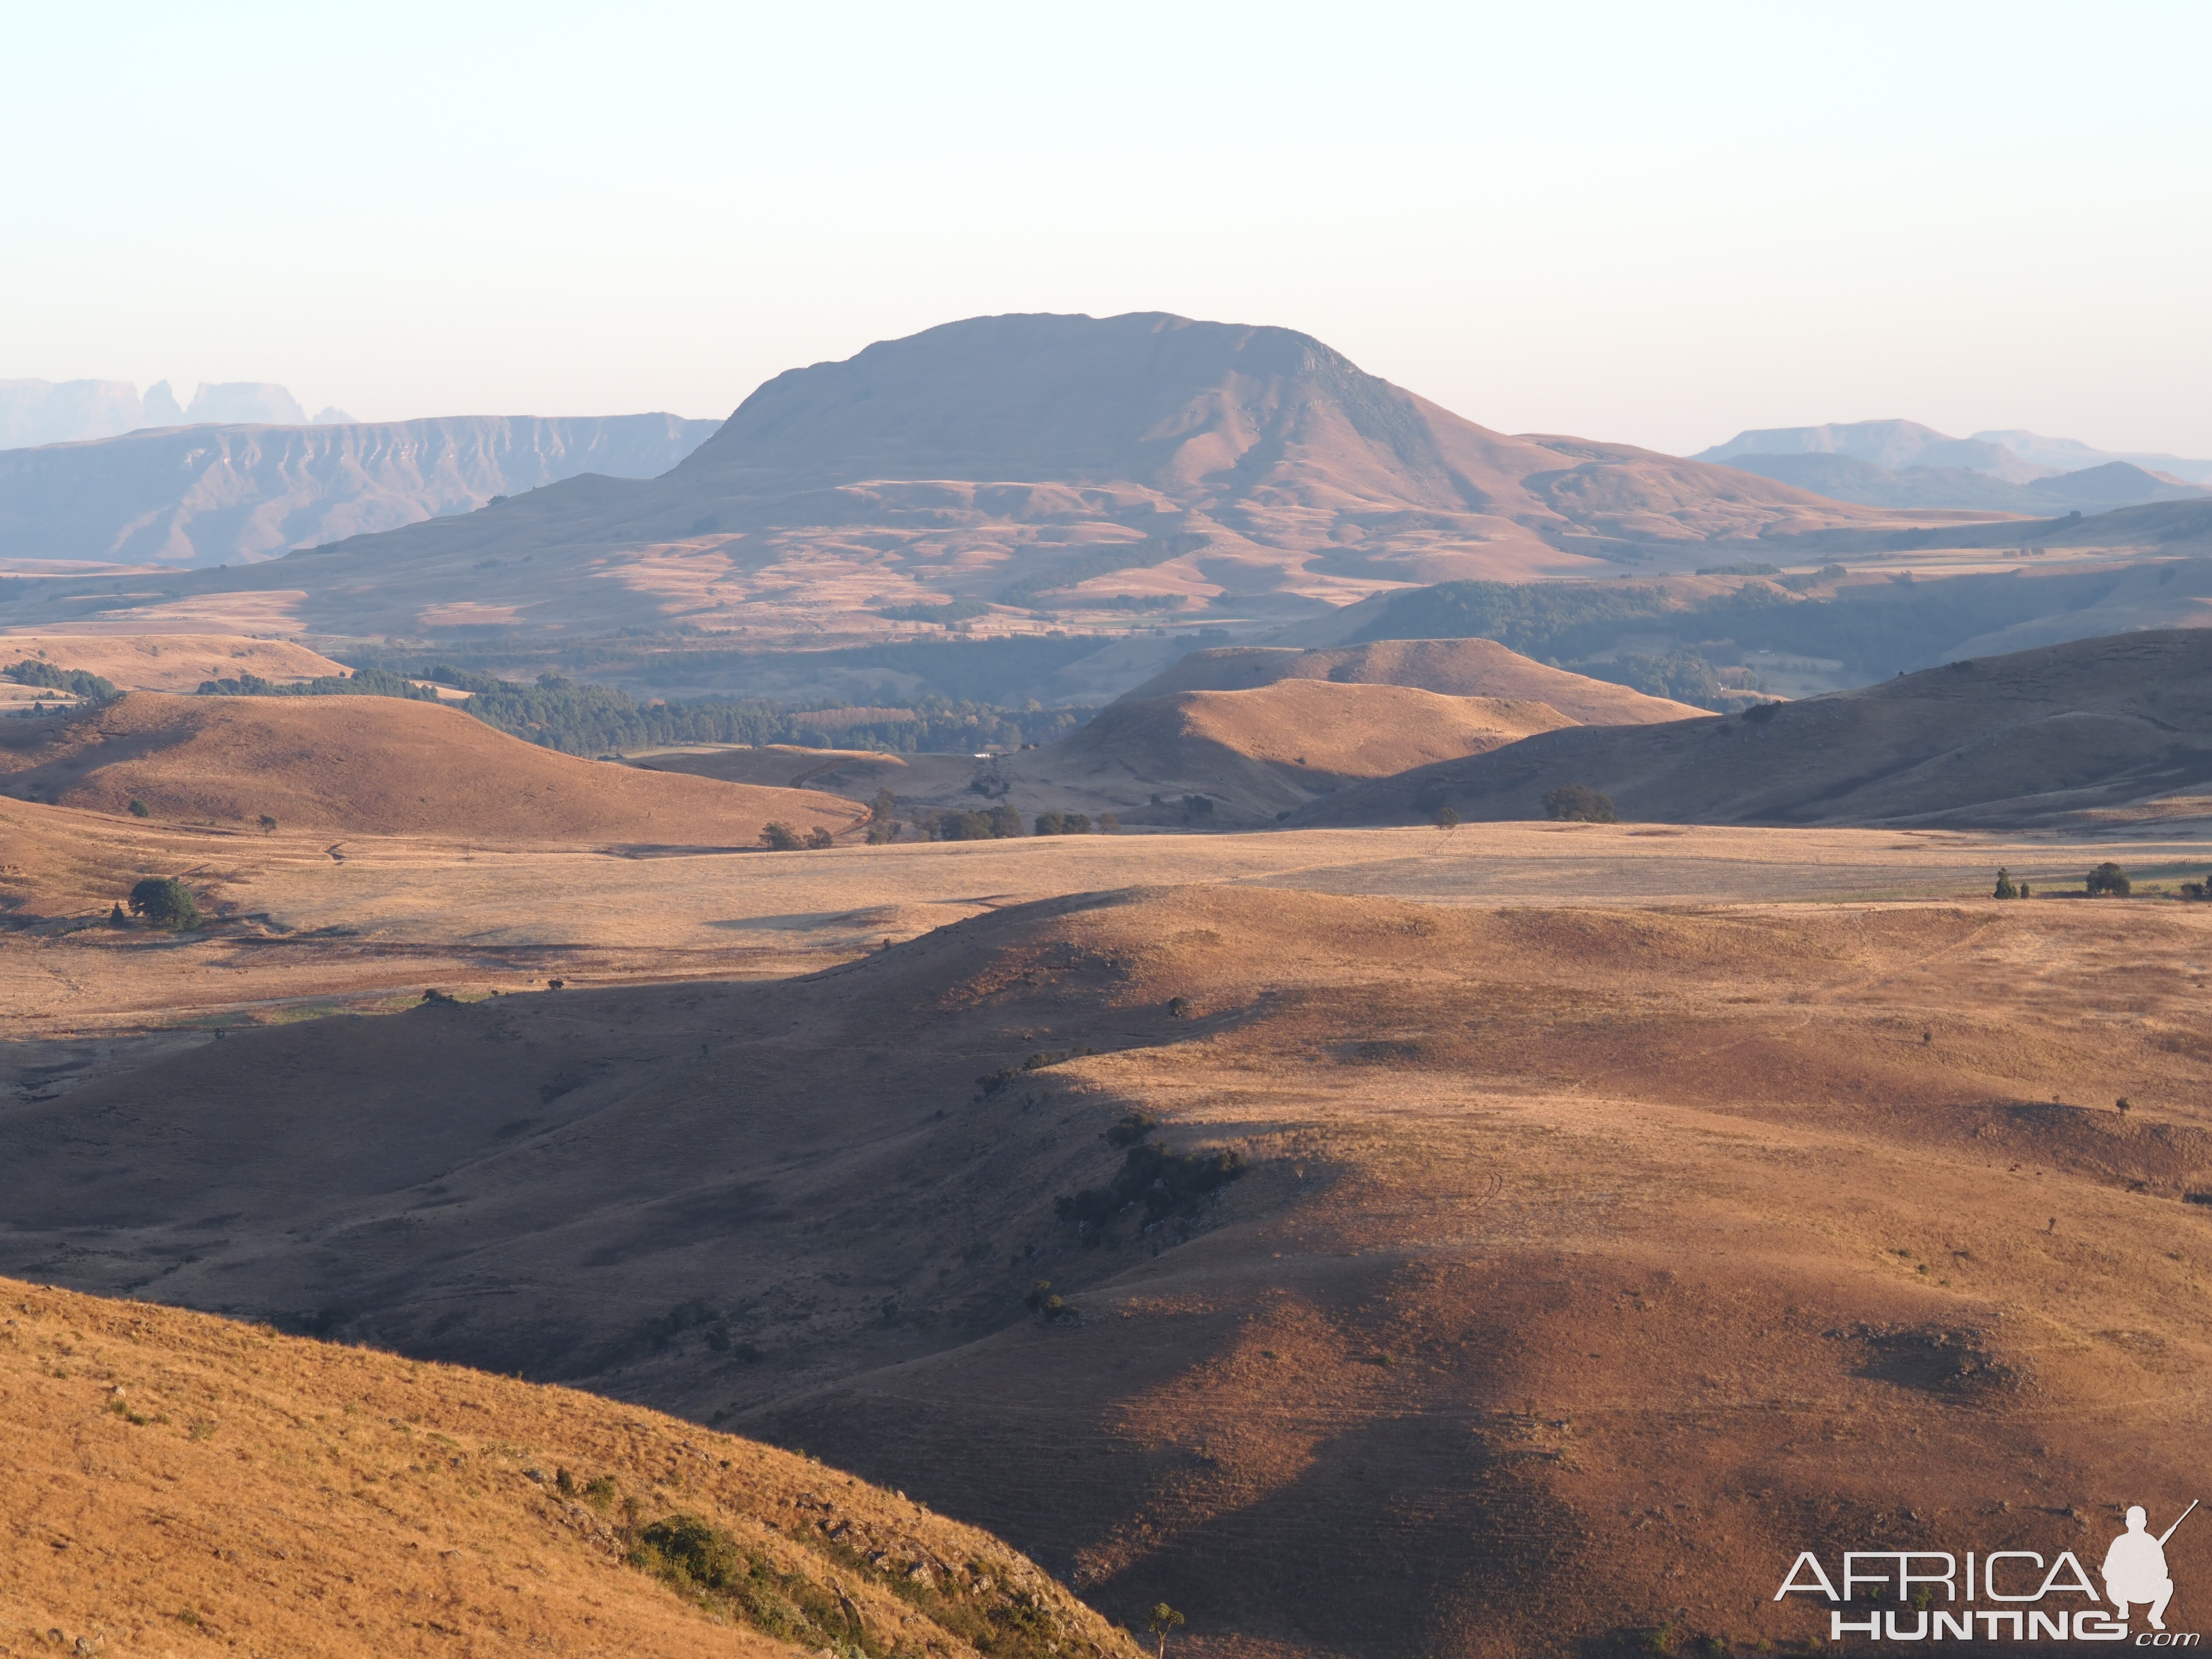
{"type": "Point", "coordinates": [1538, 1207]}
{"type": "Point", "coordinates": [2006, 741]}
{"type": "Point", "coordinates": [1456, 668]}
{"type": "Point", "coordinates": [174, 1480]}
{"type": "Point", "coordinates": [1043, 462]}
{"type": "Point", "coordinates": [373, 765]}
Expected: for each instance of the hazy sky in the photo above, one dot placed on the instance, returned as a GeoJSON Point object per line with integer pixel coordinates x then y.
{"type": "Point", "coordinates": [1658, 224]}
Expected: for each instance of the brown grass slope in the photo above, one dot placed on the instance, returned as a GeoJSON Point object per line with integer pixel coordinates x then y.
{"type": "Point", "coordinates": [173, 1480]}
{"type": "Point", "coordinates": [168, 662]}
{"type": "Point", "coordinates": [1063, 456]}
{"type": "Point", "coordinates": [1589, 1263]}
{"type": "Point", "coordinates": [1260, 754]}
{"type": "Point", "coordinates": [2009, 741]}
{"type": "Point", "coordinates": [372, 765]}
{"type": "Point", "coordinates": [1456, 668]}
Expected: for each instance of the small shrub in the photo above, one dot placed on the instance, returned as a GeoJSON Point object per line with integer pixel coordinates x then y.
{"type": "Point", "coordinates": [779, 837]}
{"type": "Point", "coordinates": [166, 903]}
{"type": "Point", "coordinates": [268, 825]}
{"type": "Point", "coordinates": [819, 839]}
{"type": "Point", "coordinates": [116, 918]}
{"type": "Point", "coordinates": [1178, 1007]}
{"type": "Point", "coordinates": [600, 1491]}
{"type": "Point", "coordinates": [1132, 1130]}
{"type": "Point", "coordinates": [1446, 818]}
{"type": "Point", "coordinates": [1572, 803]}
{"type": "Point", "coordinates": [138, 807]}
{"type": "Point", "coordinates": [2108, 878]}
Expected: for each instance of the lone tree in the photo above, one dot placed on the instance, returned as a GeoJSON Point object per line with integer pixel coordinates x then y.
{"type": "Point", "coordinates": [819, 839]}
{"type": "Point", "coordinates": [1446, 818]}
{"type": "Point", "coordinates": [2005, 888]}
{"type": "Point", "coordinates": [779, 837]}
{"type": "Point", "coordinates": [1165, 1619]}
{"type": "Point", "coordinates": [268, 825]}
{"type": "Point", "coordinates": [1571, 802]}
{"type": "Point", "coordinates": [164, 901]}
{"type": "Point", "coordinates": [2108, 877]}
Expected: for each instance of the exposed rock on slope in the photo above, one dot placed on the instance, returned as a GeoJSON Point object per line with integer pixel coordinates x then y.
{"type": "Point", "coordinates": [216, 495]}
{"type": "Point", "coordinates": [1457, 668]}
{"type": "Point", "coordinates": [374, 765]}
{"type": "Point", "coordinates": [173, 1478]}
{"type": "Point", "coordinates": [2000, 741]}
{"type": "Point", "coordinates": [1048, 462]}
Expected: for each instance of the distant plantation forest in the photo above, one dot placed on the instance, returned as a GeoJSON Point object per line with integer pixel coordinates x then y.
{"type": "Point", "coordinates": [557, 712]}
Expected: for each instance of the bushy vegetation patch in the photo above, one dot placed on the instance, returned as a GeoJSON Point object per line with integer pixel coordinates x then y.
{"type": "Point", "coordinates": [75, 682]}
{"type": "Point", "coordinates": [706, 1564]}
{"type": "Point", "coordinates": [557, 712]}
{"type": "Point", "coordinates": [1166, 1184]}
{"type": "Point", "coordinates": [2108, 879]}
{"type": "Point", "coordinates": [1573, 802]}
{"type": "Point", "coordinates": [164, 901]}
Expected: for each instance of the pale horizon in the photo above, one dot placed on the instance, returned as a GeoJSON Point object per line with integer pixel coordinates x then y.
{"type": "Point", "coordinates": [1658, 231]}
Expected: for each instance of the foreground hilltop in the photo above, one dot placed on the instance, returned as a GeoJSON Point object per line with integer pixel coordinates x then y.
{"type": "Point", "coordinates": [373, 765]}
{"type": "Point", "coordinates": [1453, 1230]}
{"type": "Point", "coordinates": [2096, 725]}
{"type": "Point", "coordinates": [1060, 464]}
{"type": "Point", "coordinates": [173, 1479]}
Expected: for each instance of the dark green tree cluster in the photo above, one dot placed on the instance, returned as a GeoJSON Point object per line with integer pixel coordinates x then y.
{"type": "Point", "coordinates": [75, 682]}
{"type": "Point", "coordinates": [2107, 880]}
{"type": "Point", "coordinates": [1001, 823]}
{"type": "Point", "coordinates": [558, 713]}
{"type": "Point", "coordinates": [164, 901]}
{"type": "Point", "coordinates": [2007, 888]}
{"type": "Point", "coordinates": [1573, 802]}
{"type": "Point", "coordinates": [1165, 1182]}
{"type": "Point", "coordinates": [1063, 824]}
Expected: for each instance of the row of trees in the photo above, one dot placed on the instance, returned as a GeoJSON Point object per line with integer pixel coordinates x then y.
{"type": "Point", "coordinates": [557, 712]}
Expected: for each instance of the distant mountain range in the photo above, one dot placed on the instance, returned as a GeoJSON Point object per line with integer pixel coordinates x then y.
{"type": "Point", "coordinates": [1902, 465]}
{"type": "Point", "coordinates": [1054, 465]}
{"type": "Point", "coordinates": [71, 411]}
{"type": "Point", "coordinates": [200, 496]}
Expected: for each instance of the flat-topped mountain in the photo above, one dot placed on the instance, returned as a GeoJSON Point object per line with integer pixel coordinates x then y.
{"type": "Point", "coordinates": [1062, 463]}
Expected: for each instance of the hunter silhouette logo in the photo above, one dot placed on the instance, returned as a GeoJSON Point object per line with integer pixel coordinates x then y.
{"type": "Point", "coordinates": [2134, 1568]}
{"type": "Point", "coordinates": [1922, 1589]}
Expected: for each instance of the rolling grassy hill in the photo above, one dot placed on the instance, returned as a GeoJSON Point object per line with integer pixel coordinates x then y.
{"type": "Point", "coordinates": [372, 765]}
{"type": "Point", "coordinates": [2013, 741]}
{"type": "Point", "coordinates": [174, 1480]}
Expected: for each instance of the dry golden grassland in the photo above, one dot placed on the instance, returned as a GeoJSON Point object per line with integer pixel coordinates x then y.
{"type": "Point", "coordinates": [175, 1484]}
